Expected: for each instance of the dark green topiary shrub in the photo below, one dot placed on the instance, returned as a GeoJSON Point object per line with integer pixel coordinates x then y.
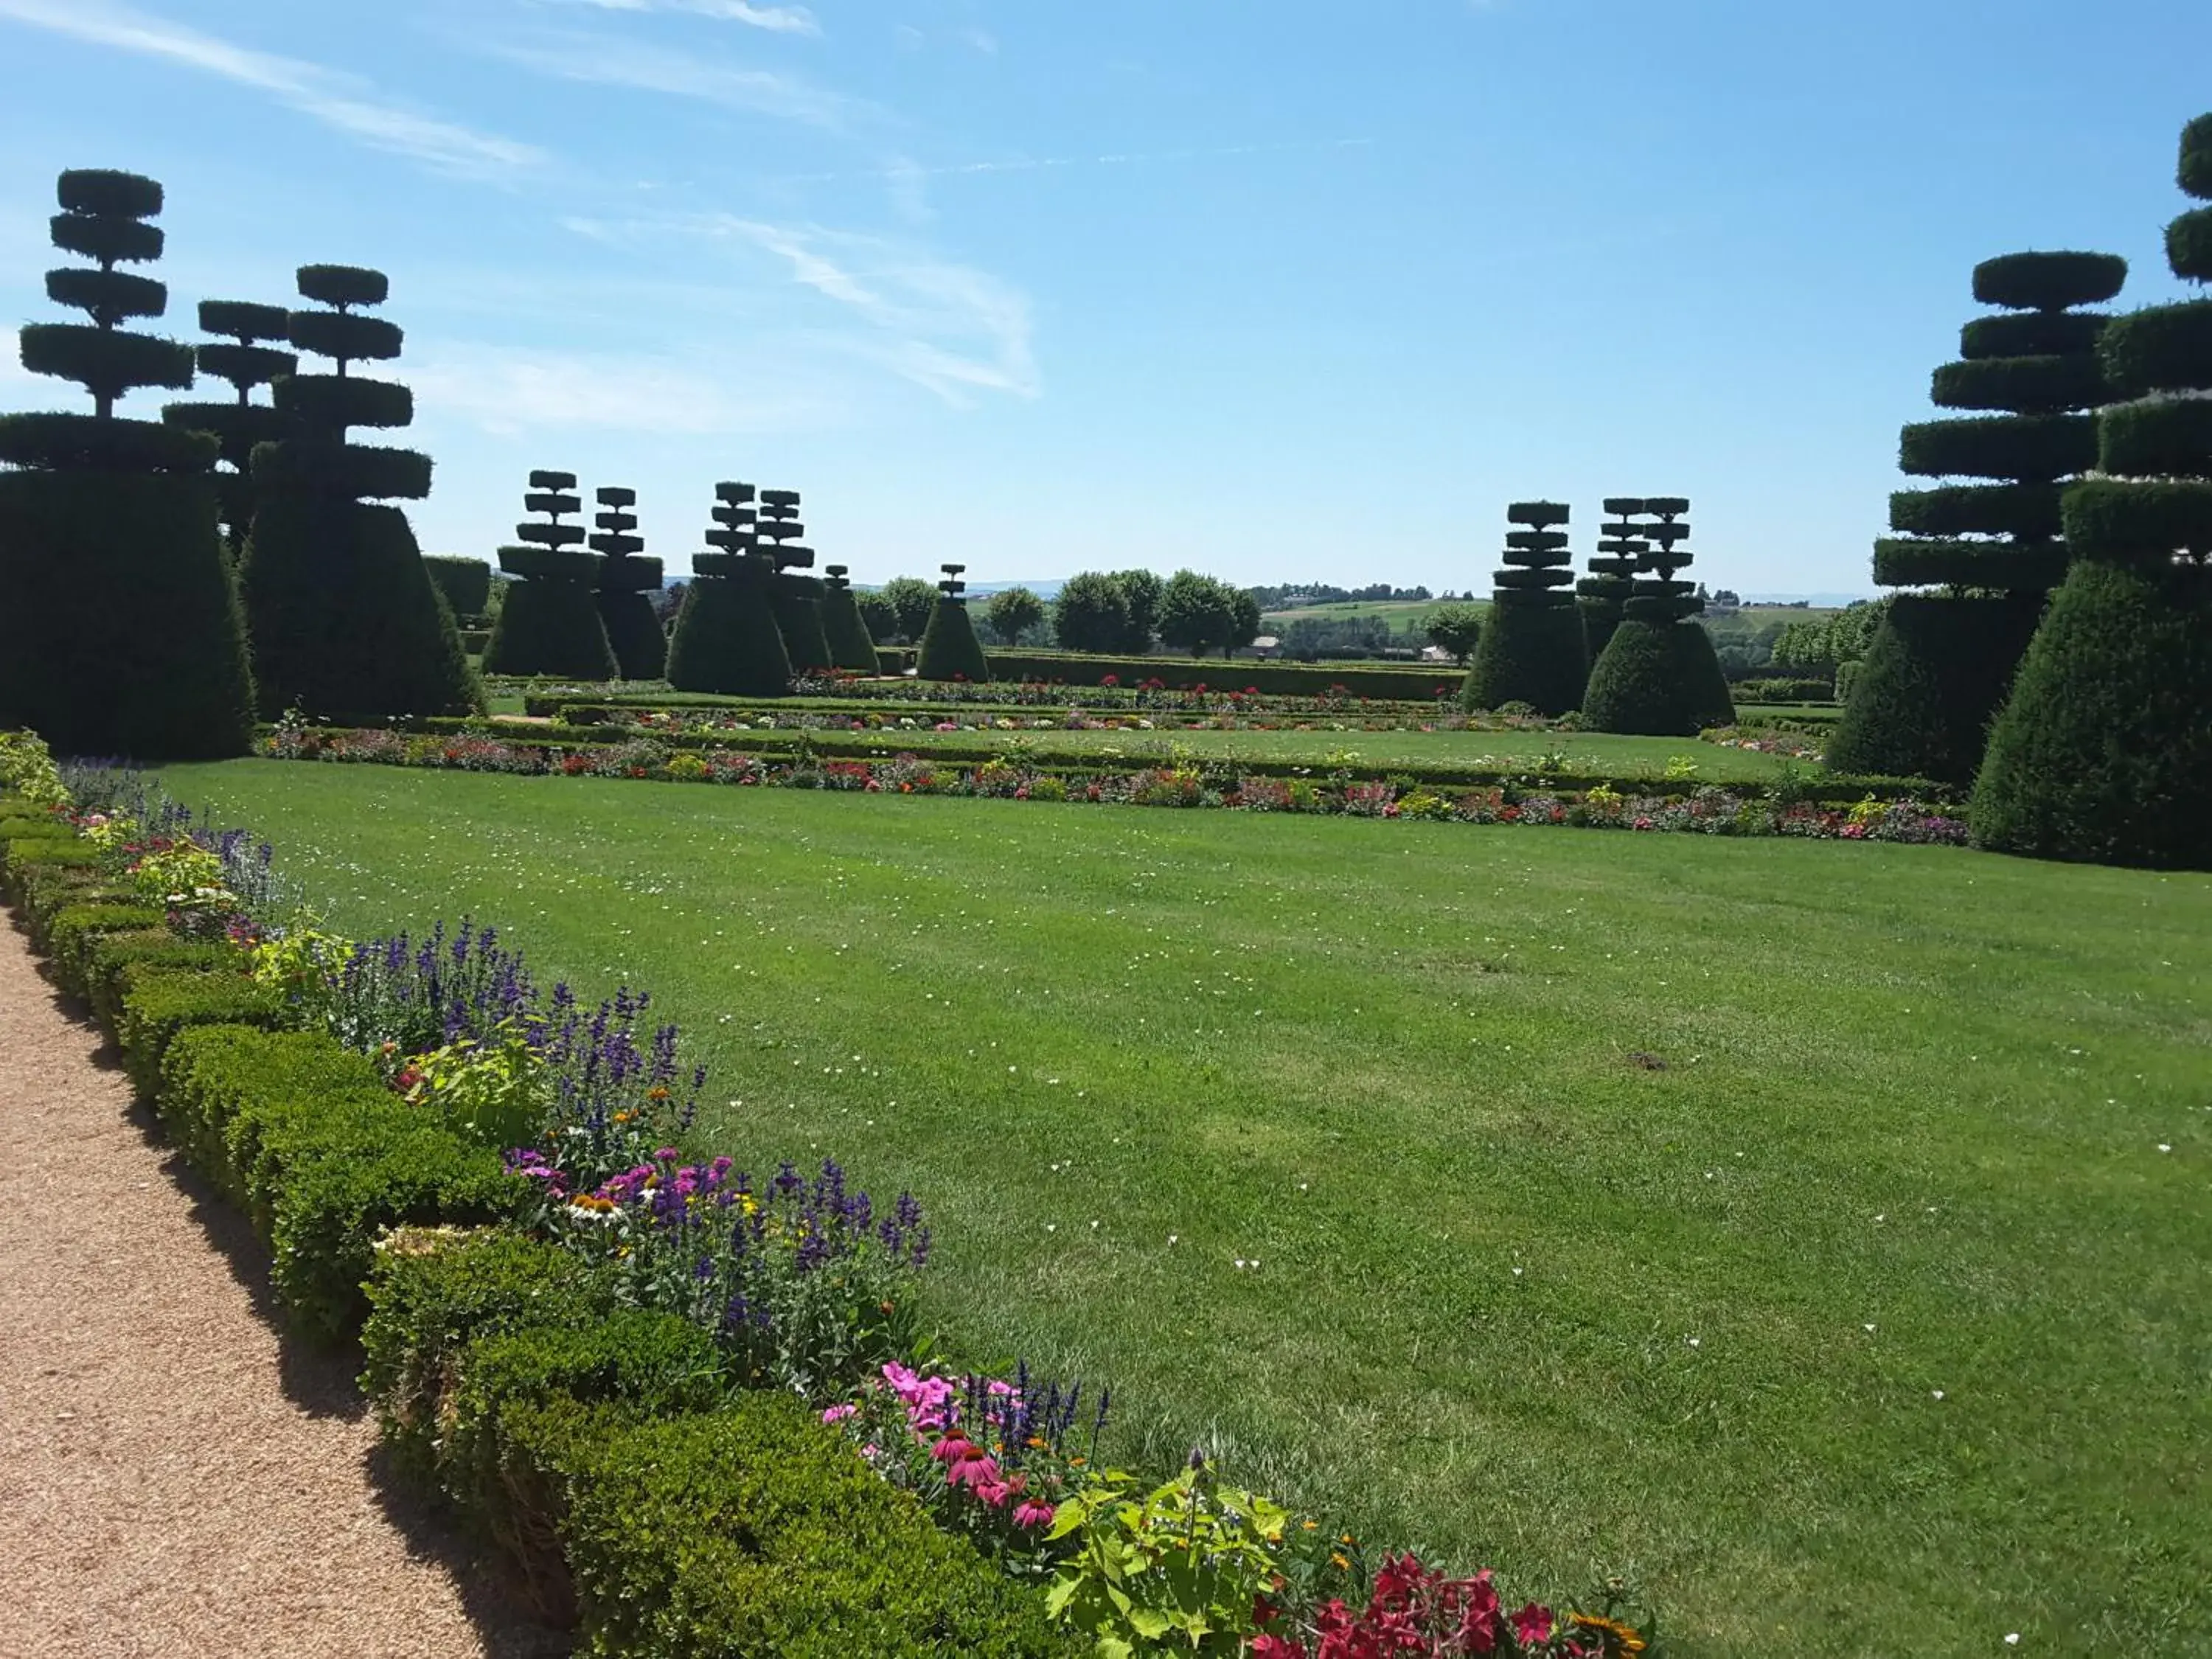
{"type": "Point", "coordinates": [1660, 675]}
{"type": "Point", "coordinates": [1531, 650]}
{"type": "Point", "coordinates": [725, 638]}
{"type": "Point", "coordinates": [949, 649]}
{"type": "Point", "coordinates": [1930, 683]}
{"type": "Point", "coordinates": [2105, 749]}
{"type": "Point", "coordinates": [119, 627]}
{"type": "Point", "coordinates": [850, 646]}
{"type": "Point", "coordinates": [550, 622]}
{"type": "Point", "coordinates": [346, 620]}
{"type": "Point", "coordinates": [633, 630]}
{"type": "Point", "coordinates": [466, 584]}
{"type": "Point", "coordinates": [244, 358]}
{"type": "Point", "coordinates": [795, 599]}
{"type": "Point", "coordinates": [1605, 590]}
{"type": "Point", "coordinates": [1940, 667]}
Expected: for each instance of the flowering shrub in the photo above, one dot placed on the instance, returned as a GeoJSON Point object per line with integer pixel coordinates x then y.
{"type": "Point", "coordinates": [801, 1282]}
{"type": "Point", "coordinates": [26, 768]}
{"type": "Point", "coordinates": [1416, 1610]}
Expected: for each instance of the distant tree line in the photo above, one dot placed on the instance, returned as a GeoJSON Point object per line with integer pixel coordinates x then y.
{"type": "Point", "coordinates": [1270, 597]}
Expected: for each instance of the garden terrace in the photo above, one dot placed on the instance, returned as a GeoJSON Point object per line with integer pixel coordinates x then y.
{"type": "Point", "coordinates": [1811, 1229]}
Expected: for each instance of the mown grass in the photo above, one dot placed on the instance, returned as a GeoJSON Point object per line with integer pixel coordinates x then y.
{"type": "Point", "coordinates": [1877, 1322]}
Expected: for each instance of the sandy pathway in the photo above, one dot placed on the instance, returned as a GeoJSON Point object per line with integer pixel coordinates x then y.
{"type": "Point", "coordinates": [175, 1480]}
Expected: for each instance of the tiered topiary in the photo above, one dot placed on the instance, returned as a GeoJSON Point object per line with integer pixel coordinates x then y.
{"type": "Point", "coordinates": [1606, 589]}
{"type": "Point", "coordinates": [244, 360]}
{"type": "Point", "coordinates": [119, 628]}
{"type": "Point", "coordinates": [465, 583]}
{"type": "Point", "coordinates": [2104, 750]}
{"type": "Point", "coordinates": [633, 627]}
{"type": "Point", "coordinates": [949, 649]}
{"type": "Point", "coordinates": [345, 622]}
{"type": "Point", "coordinates": [1531, 649]}
{"type": "Point", "coordinates": [1936, 673]}
{"type": "Point", "coordinates": [548, 623]}
{"type": "Point", "coordinates": [850, 646]}
{"type": "Point", "coordinates": [1659, 676]}
{"type": "Point", "coordinates": [795, 599]}
{"type": "Point", "coordinates": [725, 638]}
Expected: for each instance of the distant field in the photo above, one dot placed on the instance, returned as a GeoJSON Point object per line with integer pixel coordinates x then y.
{"type": "Point", "coordinates": [1402, 615]}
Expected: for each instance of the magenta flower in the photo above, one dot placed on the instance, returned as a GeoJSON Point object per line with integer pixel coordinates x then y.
{"type": "Point", "coordinates": [1033, 1514]}
{"type": "Point", "coordinates": [839, 1413]}
{"type": "Point", "coordinates": [1532, 1625]}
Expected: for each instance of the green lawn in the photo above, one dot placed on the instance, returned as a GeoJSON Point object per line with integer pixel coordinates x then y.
{"type": "Point", "coordinates": [1877, 1322]}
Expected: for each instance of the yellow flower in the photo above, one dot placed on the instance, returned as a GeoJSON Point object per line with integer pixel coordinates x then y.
{"type": "Point", "coordinates": [1630, 1640]}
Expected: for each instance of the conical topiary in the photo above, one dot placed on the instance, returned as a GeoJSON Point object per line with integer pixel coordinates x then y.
{"type": "Point", "coordinates": [466, 584]}
{"type": "Point", "coordinates": [1936, 674]}
{"type": "Point", "coordinates": [345, 622]}
{"type": "Point", "coordinates": [949, 649]}
{"type": "Point", "coordinates": [633, 629]}
{"type": "Point", "coordinates": [1531, 649]}
{"type": "Point", "coordinates": [1660, 675]}
{"type": "Point", "coordinates": [2104, 750]}
{"type": "Point", "coordinates": [725, 638]}
{"type": "Point", "coordinates": [244, 359]}
{"type": "Point", "coordinates": [548, 623]}
{"type": "Point", "coordinates": [119, 628]}
{"type": "Point", "coordinates": [850, 647]}
{"type": "Point", "coordinates": [1606, 589]}
{"type": "Point", "coordinates": [795, 599]}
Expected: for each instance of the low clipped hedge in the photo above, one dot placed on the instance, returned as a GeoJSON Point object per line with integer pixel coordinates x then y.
{"type": "Point", "coordinates": [75, 929]}
{"type": "Point", "coordinates": [114, 959]}
{"type": "Point", "coordinates": [157, 1003]}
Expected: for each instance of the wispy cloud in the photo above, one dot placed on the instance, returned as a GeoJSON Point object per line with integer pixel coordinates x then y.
{"type": "Point", "coordinates": [776, 19]}
{"type": "Point", "coordinates": [340, 101]}
{"type": "Point", "coordinates": [507, 389]}
{"type": "Point", "coordinates": [603, 61]}
{"type": "Point", "coordinates": [906, 172]}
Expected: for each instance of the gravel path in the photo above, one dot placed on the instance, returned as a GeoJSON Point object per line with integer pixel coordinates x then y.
{"type": "Point", "coordinates": [174, 1478]}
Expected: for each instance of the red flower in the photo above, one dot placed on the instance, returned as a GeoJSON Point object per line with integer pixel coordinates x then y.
{"type": "Point", "coordinates": [1276, 1647]}
{"type": "Point", "coordinates": [1532, 1625]}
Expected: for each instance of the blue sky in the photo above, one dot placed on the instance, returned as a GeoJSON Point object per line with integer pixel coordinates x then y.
{"type": "Point", "coordinates": [1289, 290]}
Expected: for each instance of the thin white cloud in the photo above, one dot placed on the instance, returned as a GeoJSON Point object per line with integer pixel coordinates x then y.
{"type": "Point", "coordinates": [983, 40]}
{"type": "Point", "coordinates": [907, 173]}
{"type": "Point", "coordinates": [340, 101]}
{"type": "Point", "coordinates": [601, 61]}
{"type": "Point", "coordinates": [507, 389]}
{"type": "Point", "coordinates": [776, 19]}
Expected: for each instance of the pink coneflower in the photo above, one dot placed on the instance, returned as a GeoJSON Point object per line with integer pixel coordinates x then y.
{"type": "Point", "coordinates": [1033, 1514]}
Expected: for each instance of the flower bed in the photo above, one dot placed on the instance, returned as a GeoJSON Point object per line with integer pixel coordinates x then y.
{"type": "Point", "coordinates": [685, 1408]}
{"type": "Point", "coordinates": [1537, 803]}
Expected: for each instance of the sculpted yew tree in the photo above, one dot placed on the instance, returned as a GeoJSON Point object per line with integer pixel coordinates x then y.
{"type": "Point", "coordinates": [851, 646]}
{"type": "Point", "coordinates": [1659, 676]}
{"type": "Point", "coordinates": [120, 630]}
{"type": "Point", "coordinates": [345, 622]}
{"type": "Point", "coordinates": [725, 638]}
{"type": "Point", "coordinates": [795, 599]}
{"type": "Point", "coordinates": [1603, 595]}
{"type": "Point", "coordinates": [243, 357]}
{"type": "Point", "coordinates": [949, 649]}
{"type": "Point", "coordinates": [625, 578]}
{"type": "Point", "coordinates": [549, 622]}
{"type": "Point", "coordinates": [2104, 750]}
{"type": "Point", "coordinates": [1531, 650]}
{"type": "Point", "coordinates": [1983, 557]}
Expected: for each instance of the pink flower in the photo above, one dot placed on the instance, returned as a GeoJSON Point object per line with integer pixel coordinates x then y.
{"type": "Point", "coordinates": [839, 1413]}
{"type": "Point", "coordinates": [1033, 1514]}
{"type": "Point", "coordinates": [953, 1448]}
{"type": "Point", "coordinates": [1532, 1625]}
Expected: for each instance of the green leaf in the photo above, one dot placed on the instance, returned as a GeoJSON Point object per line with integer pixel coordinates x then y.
{"type": "Point", "coordinates": [1061, 1593]}
{"type": "Point", "coordinates": [1149, 1624]}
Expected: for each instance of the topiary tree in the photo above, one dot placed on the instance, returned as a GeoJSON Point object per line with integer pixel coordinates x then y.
{"type": "Point", "coordinates": [1660, 675]}
{"type": "Point", "coordinates": [950, 650]}
{"type": "Point", "coordinates": [120, 628]}
{"type": "Point", "coordinates": [2104, 750]}
{"type": "Point", "coordinates": [1531, 651]}
{"type": "Point", "coordinates": [465, 583]}
{"type": "Point", "coordinates": [1936, 674]}
{"type": "Point", "coordinates": [850, 646]}
{"type": "Point", "coordinates": [345, 622]}
{"type": "Point", "coordinates": [244, 359]}
{"type": "Point", "coordinates": [725, 638]}
{"type": "Point", "coordinates": [550, 621]}
{"type": "Point", "coordinates": [795, 599]}
{"type": "Point", "coordinates": [633, 630]}
{"type": "Point", "coordinates": [1606, 589]}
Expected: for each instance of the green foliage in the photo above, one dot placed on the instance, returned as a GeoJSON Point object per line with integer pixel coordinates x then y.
{"type": "Point", "coordinates": [851, 644]}
{"type": "Point", "coordinates": [342, 286]}
{"type": "Point", "coordinates": [105, 191]}
{"type": "Point", "coordinates": [325, 467]}
{"type": "Point", "coordinates": [2024, 386]}
{"type": "Point", "coordinates": [1456, 629]}
{"type": "Point", "coordinates": [1531, 654]}
{"type": "Point", "coordinates": [634, 631]}
{"type": "Point", "coordinates": [879, 616]}
{"type": "Point", "coordinates": [115, 958]}
{"type": "Point", "coordinates": [754, 1530]}
{"type": "Point", "coordinates": [1090, 614]}
{"type": "Point", "coordinates": [2049, 281]}
{"type": "Point", "coordinates": [346, 622]}
{"type": "Point", "coordinates": [2160, 437]}
{"type": "Point", "coordinates": [2140, 521]}
{"type": "Point", "coordinates": [1143, 592]}
{"type": "Point", "coordinates": [75, 930]}
{"type": "Point", "coordinates": [2104, 750]}
{"type": "Point", "coordinates": [1198, 614]}
{"type": "Point", "coordinates": [2164, 349]}
{"type": "Point", "coordinates": [105, 363]}
{"type": "Point", "coordinates": [795, 603]}
{"type": "Point", "coordinates": [552, 625]}
{"type": "Point", "coordinates": [2027, 511]}
{"type": "Point", "coordinates": [2027, 448]}
{"type": "Point", "coordinates": [2031, 334]}
{"type": "Point", "coordinates": [120, 633]}
{"type": "Point", "coordinates": [1658, 680]}
{"type": "Point", "coordinates": [1012, 612]}
{"type": "Point", "coordinates": [725, 638]}
{"type": "Point", "coordinates": [348, 338]}
{"type": "Point", "coordinates": [466, 583]}
{"type": "Point", "coordinates": [2189, 245]}
{"type": "Point", "coordinates": [1932, 680]}
{"type": "Point", "coordinates": [913, 601]}
{"type": "Point", "coordinates": [949, 649]}
{"type": "Point", "coordinates": [2194, 175]}
{"type": "Point", "coordinates": [2036, 566]}
{"type": "Point", "coordinates": [65, 442]}
{"type": "Point", "coordinates": [158, 1004]}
